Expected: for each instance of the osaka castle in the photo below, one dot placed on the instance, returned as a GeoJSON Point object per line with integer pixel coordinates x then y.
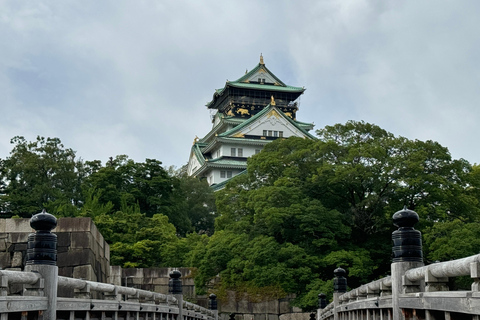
{"type": "Point", "coordinates": [247, 114]}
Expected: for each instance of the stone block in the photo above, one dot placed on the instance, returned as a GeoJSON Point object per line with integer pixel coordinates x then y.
{"type": "Point", "coordinates": [274, 317]}
{"type": "Point", "coordinates": [3, 225]}
{"type": "Point", "coordinates": [73, 225]}
{"type": "Point", "coordinates": [132, 272]}
{"type": "Point", "coordinates": [62, 249]}
{"type": "Point", "coordinates": [75, 258]}
{"type": "Point", "coordinates": [107, 251]}
{"type": "Point", "coordinates": [3, 245]}
{"type": "Point", "coordinates": [244, 307]}
{"type": "Point", "coordinates": [81, 240]}
{"type": "Point", "coordinates": [17, 260]}
{"type": "Point", "coordinates": [66, 272]}
{"type": "Point", "coordinates": [266, 307]}
{"type": "Point", "coordinates": [160, 281]}
{"type": "Point", "coordinates": [85, 272]}
{"type": "Point", "coordinates": [18, 237]}
{"type": "Point", "coordinates": [284, 306]}
{"type": "Point", "coordinates": [260, 316]}
{"type": "Point", "coordinates": [63, 239]}
{"type": "Point", "coordinates": [5, 260]}
{"type": "Point", "coordinates": [161, 289]}
{"type": "Point", "coordinates": [18, 225]}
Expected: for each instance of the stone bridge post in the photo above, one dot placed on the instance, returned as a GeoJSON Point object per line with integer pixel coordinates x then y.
{"type": "Point", "coordinates": [42, 258]}
{"type": "Point", "coordinates": [339, 288]}
{"type": "Point", "coordinates": [175, 288]}
{"type": "Point", "coordinates": [213, 304]}
{"type": "Point", "coordinates": [407, 254]}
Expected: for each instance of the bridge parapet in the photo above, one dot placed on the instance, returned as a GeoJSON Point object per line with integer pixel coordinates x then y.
{"type": "Point", "coordinates": [32, 294]}
{"type": "Point", "coordinates": [413, 291]}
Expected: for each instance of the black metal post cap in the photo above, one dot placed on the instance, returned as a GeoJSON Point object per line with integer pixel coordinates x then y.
{"type": "Point", "coordinates": [175, 274]}
{"type": "Point", "coordinates": [43, 221]}
{"type": "Point", "coordinates": [42, 245]}
{"type": "Point", "coordinates": [339, 272]}
{"type": "Point", "coordinates": [175, 284]}
{"type": "Point", "coordinates": [212, 302]}
{"type": "Point", "coordinates": [322, 295]}
{"type": "Point", "coordinates": [405, 218]}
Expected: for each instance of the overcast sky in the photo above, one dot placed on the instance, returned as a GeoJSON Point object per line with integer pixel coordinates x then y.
{"type": "Point", "coordinates": [133, 77]}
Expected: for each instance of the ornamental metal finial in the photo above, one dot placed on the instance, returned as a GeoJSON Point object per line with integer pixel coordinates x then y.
{"type": "Point", "coordinates": [272, 101]}
{"type": "Point", "coordinates": [261, 59]}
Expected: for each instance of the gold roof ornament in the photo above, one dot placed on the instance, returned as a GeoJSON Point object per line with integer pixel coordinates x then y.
{"type": "Point", "coordinates": [195, 140]}
{"type": "Point", "coordinates": [272, 101]}
{"type": "Point", "coordinates": [261, 59]}
{"type": "Point", "coordinates": [246, 71]}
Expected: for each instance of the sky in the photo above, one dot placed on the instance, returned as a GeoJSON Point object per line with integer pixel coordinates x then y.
{"type": "Point", "coordinates": [119, 77]}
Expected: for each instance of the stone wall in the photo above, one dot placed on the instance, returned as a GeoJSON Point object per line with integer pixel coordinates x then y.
{"type": "Point", "coordinates": [82, 251]}
{"type": "Point", "coordinates": [247, 310]}
{"type": "Point", "coordinates": [152, 279]}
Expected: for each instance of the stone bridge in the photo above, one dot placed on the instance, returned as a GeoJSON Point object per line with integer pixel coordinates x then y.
{"type": "Point", "coordinates": [413, 291]}
{"type": "Point", "coordinates": [40, 283]}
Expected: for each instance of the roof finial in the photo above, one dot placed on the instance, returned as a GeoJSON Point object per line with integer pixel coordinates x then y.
{"type": "Point", "coordinates": [261, 59]}
{"type": "Point", "coordinates": [272, 101]}
{"type": "Point", "coordinates": [246, 71]}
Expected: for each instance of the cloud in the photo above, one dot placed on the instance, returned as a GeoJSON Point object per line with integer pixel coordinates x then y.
{"type": "Point", "coordinates": [121, 77]}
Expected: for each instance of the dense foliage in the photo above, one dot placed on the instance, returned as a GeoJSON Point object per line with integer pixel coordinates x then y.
{"type": "Point", "coordinates": [304, 208]}
{"type": "Point", "coordinates": [141, 209]}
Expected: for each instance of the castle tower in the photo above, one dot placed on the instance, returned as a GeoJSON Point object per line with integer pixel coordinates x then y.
{"type": "Point", "coordinates": [249, 113]}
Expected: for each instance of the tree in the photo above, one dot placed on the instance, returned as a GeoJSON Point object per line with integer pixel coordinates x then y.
{"type": "Point", "coordinates": [40, 174]}
{"type": "Point", "coordinates": [330, 201]}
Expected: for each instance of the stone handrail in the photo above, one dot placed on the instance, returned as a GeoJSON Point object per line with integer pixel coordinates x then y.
{"type": "Point", "coordinates": [18, 277]}
{"type": "Point", "coordinates": [362, 291]}
{"type": "Point", "coordinates": [33, 278]}
{"type": "Point", "coordinates": [455, 268]}
{"type": "Point", "coordinates": [81, 284]}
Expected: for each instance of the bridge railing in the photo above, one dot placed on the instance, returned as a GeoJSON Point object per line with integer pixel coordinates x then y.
{"type": "Point", "coordinates": [413, 291]}
{"type": "Point", "coordinates": [32, 294]}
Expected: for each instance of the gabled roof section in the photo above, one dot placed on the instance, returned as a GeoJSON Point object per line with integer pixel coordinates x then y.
{"type": "Point", "coordinates": [262, 72]}
{"type": "Point", "coordinates": [300, 126]}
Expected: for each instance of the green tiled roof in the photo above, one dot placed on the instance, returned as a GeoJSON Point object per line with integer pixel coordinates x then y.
{"type": "Point", "coordinates": [247, 85]}
{"type": "Point", "coordinates": [241, 83]}
{"type": "Point", "coordinates": [255, 70]}
{"type": "Point", "coordinates": [221, 185]}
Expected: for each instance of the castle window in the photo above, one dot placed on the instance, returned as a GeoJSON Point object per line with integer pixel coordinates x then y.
{"type": "Point", "coordinates": [269, 133]}
{"type": "Point", "coordinates": [233, 152]}
{"type": "Point", "coordinates": [275, 133]}
{"type": "Point", "coordinates": [257, 151]}
{"type": "Point", "coordinates": [229, 174]}
{"type": "Point", "coordinates": [264, 133]}
{"type": "Point", "coordinates": [240, 152]}
{"type": "Point", "coordinates": [222, 174]}
{"type": "Point", "coordinates": [280, 134]}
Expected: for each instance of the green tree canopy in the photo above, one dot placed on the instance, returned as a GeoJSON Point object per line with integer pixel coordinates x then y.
{"type": "Point", "coordinates": [330, 201]}
{"type": "Point", "coordinates": [40, 174]}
